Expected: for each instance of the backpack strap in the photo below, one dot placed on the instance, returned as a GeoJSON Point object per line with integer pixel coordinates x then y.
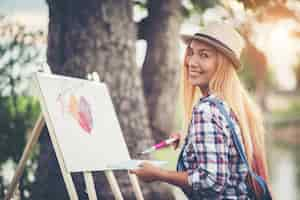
{"type": "Point", "coordinates": [238, 145]}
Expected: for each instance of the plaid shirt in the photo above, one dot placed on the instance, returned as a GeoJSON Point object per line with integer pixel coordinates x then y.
{"type": "Point", "coordinates": [215, 170]}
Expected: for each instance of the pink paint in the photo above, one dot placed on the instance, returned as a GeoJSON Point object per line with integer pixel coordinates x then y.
{"type": "Point", "coordinates": [85, 115]}
{"type": "Point", "coordinates": [84, 123]}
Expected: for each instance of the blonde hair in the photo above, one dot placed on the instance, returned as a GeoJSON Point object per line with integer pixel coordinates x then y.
{"type": "Point", "coordinates": [226, 85]}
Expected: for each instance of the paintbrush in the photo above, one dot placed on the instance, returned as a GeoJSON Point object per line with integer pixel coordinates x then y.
{"type": "Point", "coordinates": [160, 145]}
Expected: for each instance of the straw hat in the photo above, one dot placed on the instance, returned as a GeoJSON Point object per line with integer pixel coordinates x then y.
{"type": "Point", "coordinates": [223, 37]}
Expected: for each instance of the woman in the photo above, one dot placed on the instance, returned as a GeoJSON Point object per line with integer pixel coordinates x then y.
{"type": "Point", "coordinates": [209, 166]}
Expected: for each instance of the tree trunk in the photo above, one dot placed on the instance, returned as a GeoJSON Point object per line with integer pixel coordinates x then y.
{"type": "Point", "coordinates": [162, 65]}
{"type": "Point", "coordinates": [86, 36]}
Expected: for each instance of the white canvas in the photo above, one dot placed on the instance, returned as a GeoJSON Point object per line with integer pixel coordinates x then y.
{"type": "Point", "coordinates": [84, 122]}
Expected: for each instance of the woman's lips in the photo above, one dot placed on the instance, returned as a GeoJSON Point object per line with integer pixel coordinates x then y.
{"type": "Point", "coordinates": [193, 73]}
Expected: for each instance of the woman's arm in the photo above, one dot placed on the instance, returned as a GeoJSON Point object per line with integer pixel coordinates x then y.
{"type": "Point", "coordinates": [179, 179]}
{"type": "Point", "coordinates": [148, 173]}
{"type": "Point", "coordinates": [210, 150]}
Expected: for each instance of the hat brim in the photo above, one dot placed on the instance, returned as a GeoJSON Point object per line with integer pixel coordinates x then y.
{"type": "Point", "coordinates": [187, 39]}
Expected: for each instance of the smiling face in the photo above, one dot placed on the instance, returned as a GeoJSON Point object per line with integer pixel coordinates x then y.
{"type": "Point", "coordinates": [201, 63]}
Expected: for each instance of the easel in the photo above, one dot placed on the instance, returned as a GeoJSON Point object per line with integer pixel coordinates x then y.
{"type": "Point", "coordinates": [90, 186]}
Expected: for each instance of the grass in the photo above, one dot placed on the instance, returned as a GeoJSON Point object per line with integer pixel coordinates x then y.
{"type": "Point", "coordinates": [282, 118]}
{"type": "Point", "coordinates": [167, 154]}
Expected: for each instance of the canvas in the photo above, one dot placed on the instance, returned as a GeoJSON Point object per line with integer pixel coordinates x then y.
{"type": "Point", "coordinates": [81, 116]}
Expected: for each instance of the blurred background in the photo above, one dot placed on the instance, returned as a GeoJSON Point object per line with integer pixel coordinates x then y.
{"type": "Point", "coordinates": [134, 46]}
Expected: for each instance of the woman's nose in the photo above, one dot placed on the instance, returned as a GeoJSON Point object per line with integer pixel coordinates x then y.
{"type": "Point", "coordinates": [193, 64]}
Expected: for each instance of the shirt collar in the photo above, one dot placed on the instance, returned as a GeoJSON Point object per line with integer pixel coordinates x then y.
{"type": "Point", "coordinates": [210, 94]}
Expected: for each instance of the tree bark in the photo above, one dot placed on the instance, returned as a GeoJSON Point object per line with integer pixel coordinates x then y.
{"type": "Point", "coordinates": [162, 65]}
{"type": "Point", "coordinates": [86, 36]}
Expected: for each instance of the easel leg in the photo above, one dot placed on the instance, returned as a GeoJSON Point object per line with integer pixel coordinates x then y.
{"type": "Point", "coordinates": [28, 148]}
{"type": "Point", "coordinates": [66, 175]}
{"type": "Point", "coordinates": [136, 187]}
{"type": "Point", "coordinates": [113, 184]}
{"type": "Point", "coordinates": [90, 186]}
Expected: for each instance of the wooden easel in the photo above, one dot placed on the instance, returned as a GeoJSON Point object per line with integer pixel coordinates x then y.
{"type": "Point", "coordinates": [90, 186]}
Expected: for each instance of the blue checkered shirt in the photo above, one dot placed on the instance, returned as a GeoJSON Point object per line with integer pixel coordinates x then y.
{"type": "Point", "coordinates": [215, 170]}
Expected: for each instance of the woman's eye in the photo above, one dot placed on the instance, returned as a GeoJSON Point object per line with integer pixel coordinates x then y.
{"type": "Point", "coordinates": [203, 55]}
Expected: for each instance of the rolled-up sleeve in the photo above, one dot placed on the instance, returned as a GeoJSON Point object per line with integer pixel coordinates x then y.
{"type": "Point", "coordinates": [211, 149]}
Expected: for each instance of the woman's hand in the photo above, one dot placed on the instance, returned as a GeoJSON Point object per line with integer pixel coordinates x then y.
{"type": "Point", "coordinates": [176, 135]}
{"type": "Point", "coordinates": [147, 172]}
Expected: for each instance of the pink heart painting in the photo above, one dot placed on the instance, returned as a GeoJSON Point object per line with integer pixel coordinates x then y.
{"type": "Point", "coordinates": [85, 115]}
{"type": "Point", "coordinates": [81, 112]}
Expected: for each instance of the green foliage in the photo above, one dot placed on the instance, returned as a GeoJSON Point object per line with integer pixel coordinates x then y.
{"type": "Point", "coordinates": [293, 111]}
{"type": "Point", "coordinates": [201, 5]}
{"type": "Point", "coordinates": [197, 6]}
{"type": "Point", "coordinates": [19, 52]}
{"type": "Point", "coordinates": [188, 6]}
{"type": "Point", "coordinates": [19, 49]}
{"type": "Point", "coordinates": [140, 3]}
{"type": "Point", "coordinates": [286, 116]}
{"type": "Point", "coordinates": [17, 115]}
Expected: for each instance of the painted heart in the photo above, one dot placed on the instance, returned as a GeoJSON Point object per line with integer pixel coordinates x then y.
{"type": "Point", "coordinates": [81, 112]}
{"type": "Point", "coordinates": [84, 123]}
{"type": "Point", "coordinates": [85, 115]}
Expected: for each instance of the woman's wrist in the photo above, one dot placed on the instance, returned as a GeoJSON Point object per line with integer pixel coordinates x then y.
{"type": "Point", "coordinates": [162, 175]}
{"type": "Point", "coordinates": [173, 177]}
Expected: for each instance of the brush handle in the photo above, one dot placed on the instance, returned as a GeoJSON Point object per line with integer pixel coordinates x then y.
{"type": "Point", "coordinates": [165, 143]}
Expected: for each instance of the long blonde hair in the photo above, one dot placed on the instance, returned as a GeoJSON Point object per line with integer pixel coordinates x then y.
{"type": "Point", "coordinates": [226, 85]}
